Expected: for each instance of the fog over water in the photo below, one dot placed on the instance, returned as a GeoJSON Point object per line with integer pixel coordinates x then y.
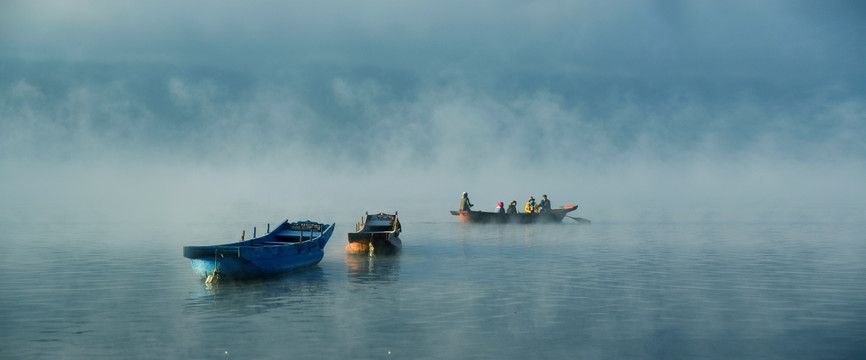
{"type": "Point", "coordinates": [634, 110]}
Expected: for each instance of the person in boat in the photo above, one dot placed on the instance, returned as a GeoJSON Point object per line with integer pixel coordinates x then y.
{"type": "Point", "coordinates": [544, 205]}
{"type": "Point", "coordinates": [530, 206]}
{"type": "Point", "coordinates": [499, 209]}
{"type": "Point", "coordinates": [512, 208]}
{"type": "Point", "coordinates": [465, 204]}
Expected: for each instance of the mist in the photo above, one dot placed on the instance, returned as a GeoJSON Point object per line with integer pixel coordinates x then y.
{"type": "Point", "coordinates": [263, 111]}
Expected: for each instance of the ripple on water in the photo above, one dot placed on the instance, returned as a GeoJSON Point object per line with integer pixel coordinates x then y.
{"type": "Point", "coordinates": [604, 290]}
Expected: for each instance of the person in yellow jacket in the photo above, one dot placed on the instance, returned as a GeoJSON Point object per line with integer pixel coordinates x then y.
{"type": "Point", "coordinates": [530, 205]}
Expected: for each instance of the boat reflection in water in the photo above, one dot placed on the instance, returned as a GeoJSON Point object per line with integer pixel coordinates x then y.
{"type": "Point", "coordinates": [363, 269]}
{"type": "Point", "coordinates": [255, 296]}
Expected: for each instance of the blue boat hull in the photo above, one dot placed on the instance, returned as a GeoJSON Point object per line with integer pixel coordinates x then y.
{"type": "Point", "coordinates": [239, 268]}
{"type": "Point", "coordinates": [261, 257]}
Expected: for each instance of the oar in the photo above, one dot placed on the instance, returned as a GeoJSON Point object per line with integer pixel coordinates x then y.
{"type": "Point", "coordinates": [579, 219]}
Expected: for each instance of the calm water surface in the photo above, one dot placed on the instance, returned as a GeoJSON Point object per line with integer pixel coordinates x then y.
{"type": "Point", "coordinates": [606, 290]}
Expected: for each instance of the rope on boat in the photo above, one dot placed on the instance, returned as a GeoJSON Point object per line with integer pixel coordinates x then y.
{"type": "Point", "coordinates": [215, 275]}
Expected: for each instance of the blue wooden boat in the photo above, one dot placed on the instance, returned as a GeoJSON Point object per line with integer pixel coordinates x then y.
{"type": "Point", "coordinates": [290, 246]}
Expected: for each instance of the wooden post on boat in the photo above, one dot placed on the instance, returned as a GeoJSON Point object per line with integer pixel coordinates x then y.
{"type": "Point", "coordinates": [269, 228]}
{"type": "Point", "coordinates": [242, 234]}
{"type": "Point", "coordinates": [254, 232]}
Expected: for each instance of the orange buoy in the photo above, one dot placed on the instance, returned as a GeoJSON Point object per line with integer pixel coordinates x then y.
{"type": "Point", "coordinates": [356, 248]}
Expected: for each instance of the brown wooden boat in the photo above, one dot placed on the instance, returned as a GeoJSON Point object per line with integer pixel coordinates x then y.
{"type": "Point", "coordinates": [552, 216]}
{"type": "Point", "coordinates": [376, 234]}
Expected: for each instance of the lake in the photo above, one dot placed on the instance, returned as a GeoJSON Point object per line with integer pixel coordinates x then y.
{"type": "Point", "coordinates": [456, 291]}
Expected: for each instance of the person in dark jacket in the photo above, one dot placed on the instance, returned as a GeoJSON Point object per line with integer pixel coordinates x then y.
{"type": "Point", "coordinates": [512, 209]}
{"type": "Point", "coordinates": [544, 205]}
{"type": "Point", "coordinates": [465, 204]}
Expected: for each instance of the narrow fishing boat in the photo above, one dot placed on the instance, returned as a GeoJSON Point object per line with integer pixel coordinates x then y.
{"type": "Point", "coordinates": [376, 234]}
{"type": "Point", "coordinates": [552, 216]}
{"type": "Point", "coordinates": [290, 246]}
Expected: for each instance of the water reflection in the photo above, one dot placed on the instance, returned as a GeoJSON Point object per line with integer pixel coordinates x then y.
{"type": "Point", "coordinates": [260, 295]}
{"type": "Point", "coordinates": [507, 292]}
{"type": "Point", "coordinates": [362, 269]}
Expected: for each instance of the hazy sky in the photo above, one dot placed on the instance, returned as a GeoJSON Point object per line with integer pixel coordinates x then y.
{"type": "Point", "coordinates": [275, 109]}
